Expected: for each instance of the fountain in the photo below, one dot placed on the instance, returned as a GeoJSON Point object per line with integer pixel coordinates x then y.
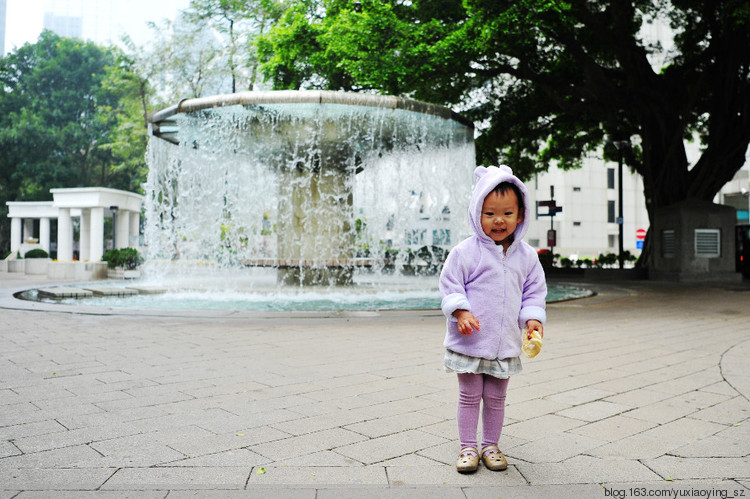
{"type": "Point", "coordinates": [281, 201]}
{"type": "Point", "coordinates": [317, 187]}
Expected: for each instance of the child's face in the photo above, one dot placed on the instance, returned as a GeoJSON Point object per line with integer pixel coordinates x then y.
{"type": "Point", "coordinates": [501, 216]}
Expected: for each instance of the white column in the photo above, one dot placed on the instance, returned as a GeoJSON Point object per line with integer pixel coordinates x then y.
{"type": "Point", "coordinates": [84, 244]}
{"type": "Point", "coordinates": [97, 235]}
{"type": "Point", "coordinates": [64, 236]}
{"type": "Point", "coordinates": [122, 229]}
{"type": "Point", "coordinates": [28, 228]}
{"type": "Point", "coordinates": [135, 222]}
{"type": "Point", "coordinates": [44, 233]}
{"type": "Point", "coordinates": [16, 235]}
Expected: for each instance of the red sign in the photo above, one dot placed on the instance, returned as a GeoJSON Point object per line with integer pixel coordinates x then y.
{"type": "Point", "coordinates": [640, 234]}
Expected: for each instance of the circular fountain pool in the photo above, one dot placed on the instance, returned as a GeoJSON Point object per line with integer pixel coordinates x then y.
{"type": "Point", "coordinates": [407, 296]}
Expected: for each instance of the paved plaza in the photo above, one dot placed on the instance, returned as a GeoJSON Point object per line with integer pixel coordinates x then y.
{"type": "Point", "coordinates": [640, 391]}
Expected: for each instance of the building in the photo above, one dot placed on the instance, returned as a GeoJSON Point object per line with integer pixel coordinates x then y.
{"type": "Point", "coordinates": [3, 11]}
{"type": "Point", "coordinates": [588, 225]}
{"type": "Point", "coordinates": [78, 215]}
{"type": "Point", "coordinates": [101, 21]}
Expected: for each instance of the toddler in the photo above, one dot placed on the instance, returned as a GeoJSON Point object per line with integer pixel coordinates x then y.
{"type": "Point", "coordinates": [492, 287]}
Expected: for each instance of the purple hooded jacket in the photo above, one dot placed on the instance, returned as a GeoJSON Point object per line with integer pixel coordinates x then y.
{"type": "Point", "coordinates": [502, 290]}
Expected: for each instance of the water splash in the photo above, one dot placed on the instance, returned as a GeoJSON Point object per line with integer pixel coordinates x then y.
{"type": "Point", "coordinates": [321, 193]}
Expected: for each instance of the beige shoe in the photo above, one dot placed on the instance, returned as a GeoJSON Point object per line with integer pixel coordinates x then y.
{"type": "Point", "coordinates": [468, 460]}
{"type": "Point", "coordinates": [493, 459]}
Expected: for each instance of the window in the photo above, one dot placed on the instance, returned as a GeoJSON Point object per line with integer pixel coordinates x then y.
{"type": "Point", "coordinates": [415, 236]}
{"type": "Point", "coordinates": [576, 189]}
{"type": "Point", "coordinates": [610, 178]}
{"type": "Point", "coordinates": [667, 243]}
{"type": "Point", "coordinates": [708, 243]}
{"type": "Point", "coordinates": [611, 240]}
{"type": "Point", "coordinates": [611, 212]}
{"type": "Point", "coordinates": [441, 237]}
{"type": "Point", "coordinates": [576, 224]}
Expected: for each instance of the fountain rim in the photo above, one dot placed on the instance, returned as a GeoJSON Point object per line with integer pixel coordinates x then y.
{"type": "Point", "coordinates": [253, 98]}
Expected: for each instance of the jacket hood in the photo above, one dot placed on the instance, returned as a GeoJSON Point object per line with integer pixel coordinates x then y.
{"type": "Point", "coordinates": [487, 179]}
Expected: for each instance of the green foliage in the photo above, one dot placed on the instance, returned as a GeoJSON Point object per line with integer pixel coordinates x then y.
{"type": "Point", "coordinates": [127, 258]}
{"type": "Point", "coordinates": [545, 81]}
{"type": "Point", "coordinates": [36, 253]}
{"type": "Point", "coordinates": [70, 116]}
{"type": "Point", "coordinates": [546, 258]}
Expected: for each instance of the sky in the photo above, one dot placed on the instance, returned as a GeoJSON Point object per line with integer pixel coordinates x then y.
{"type": "Point", "coordinates": [24, 18]}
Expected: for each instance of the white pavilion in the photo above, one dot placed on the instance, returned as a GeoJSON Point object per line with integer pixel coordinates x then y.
{"type": "Point", "coordinates": [91, 205]}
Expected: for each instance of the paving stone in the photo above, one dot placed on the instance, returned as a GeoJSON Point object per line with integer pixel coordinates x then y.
{"type": "Point", "coordinates": [594, 411]}
{"type": "Point", "coordinates": [392, 424]}
{"type": "Point", "coordinates": [411, 460]}
{"type": "Point", "coordinates": [613, 428]}
{"type": "Point", "coordinates": [447, 475]}
{"type": "Point", "coordinates": [398, 492]}
{"type": "Point", "coordinates": [259, 492]}
{"type": "Point", "coordinates": [110, 291]}
{"type": "Point", "coordinates": [231, 458]}
{"type": "Point", "coordinates": [659, 440]}
{"type": "Point", "coordinates": [533, 408]}
{"type": "Point", "coordinates": [691, 468]}
{"type": "Point", "coordinates": [164, 478]}
{"type": "Point", "coordinates": [676, 407]}
{"type": "Point", "coordinates": [85, 435]}
{"type": "Point", "coordinates": [7, 449]}
{"type": "Point", "coordinates": [390, 446]}
{"type": "Point", "coordinates": [554, 448]}
{"type": "Point", "coordinates": [579, 396]}
{"type": "Point", "coordinates": [729, 412]}
{"type": "Point", "coordinates": [312, 396]}
{"type": "Point", "coordinates": [638, 398]}
{"type": "Point", "coordinates": [54, 478]}
{"type": "Point", "coordinates": [60, 292]}
{"type": "Point", "coordinates": [537, 492]}
{"type": "Point", "coordinates": [317, 476]}
{"type": "Point", "coordinates": [31, 429]}
{"type": "Point", "coordinates": [586, 469]}
{"type": "Point", "coordinates": [539, 428]}
{"type": "Point", "coordinates": [731, 442]}
{"type": "Point", "coordinates": [91, 494]}
{"type": "Point", "coordinates": [307, 444]}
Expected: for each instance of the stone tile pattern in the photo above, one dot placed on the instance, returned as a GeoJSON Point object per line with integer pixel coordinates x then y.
{"type": "Point", "coordinates": [629, 388]}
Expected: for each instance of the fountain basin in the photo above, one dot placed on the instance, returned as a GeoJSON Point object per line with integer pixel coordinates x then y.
{"type": "Point", "coordinates": [310, 183]}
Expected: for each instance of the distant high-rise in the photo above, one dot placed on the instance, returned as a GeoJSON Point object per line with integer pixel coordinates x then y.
{"type": "Point", "coordinates": [68, 26]}
{"type": "Point", "coordinates": [89, 19]}
{"type": "Point", "coordinates": [2, 26]}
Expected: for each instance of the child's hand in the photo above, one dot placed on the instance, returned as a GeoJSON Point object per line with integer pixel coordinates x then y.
{"type": "Point", "coordinates": [532, 325]}
{"type": "Point", "coordinates": [467, 322]}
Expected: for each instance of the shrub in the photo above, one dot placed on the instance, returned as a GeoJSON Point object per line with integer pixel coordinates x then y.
{"type": "Point", "coordinates": [127, 258]}
{"type": "Point", "coordinates": [546, 258]}
{"type": "Point", "coordinates": [36, 253]}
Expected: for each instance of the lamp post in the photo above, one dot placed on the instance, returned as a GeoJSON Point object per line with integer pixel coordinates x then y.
{"type": "Point", "coordinates": [114, 210]}
{"type": "Point", "coordinates": [620, 145]}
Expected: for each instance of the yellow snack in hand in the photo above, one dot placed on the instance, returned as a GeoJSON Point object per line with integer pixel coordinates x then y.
{"type": "Point", "coordinates": [531, 347]}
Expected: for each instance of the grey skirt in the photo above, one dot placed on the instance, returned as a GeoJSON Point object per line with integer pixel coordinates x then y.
{"type": "Point", "coordinates": [455, 362]}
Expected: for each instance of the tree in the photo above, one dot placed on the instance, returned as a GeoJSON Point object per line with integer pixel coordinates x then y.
{"type": "Point", "coordinates": [546, 80]}
{"type": "Point", "coordinates": [182, 61]}
{"type": "Point", "coordinates": [65, 121]}
{"type": "Point", "coordinates": [237, 23]}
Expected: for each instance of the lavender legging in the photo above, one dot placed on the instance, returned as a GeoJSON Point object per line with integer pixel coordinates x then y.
{"type": "Point", "coordinates": [471, 389]}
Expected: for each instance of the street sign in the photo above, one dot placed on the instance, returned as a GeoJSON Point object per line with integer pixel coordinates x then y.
{"type": "Point", "coordinates": [551, 206]}
{"type": "Point", "coordinates": [640, 234]}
